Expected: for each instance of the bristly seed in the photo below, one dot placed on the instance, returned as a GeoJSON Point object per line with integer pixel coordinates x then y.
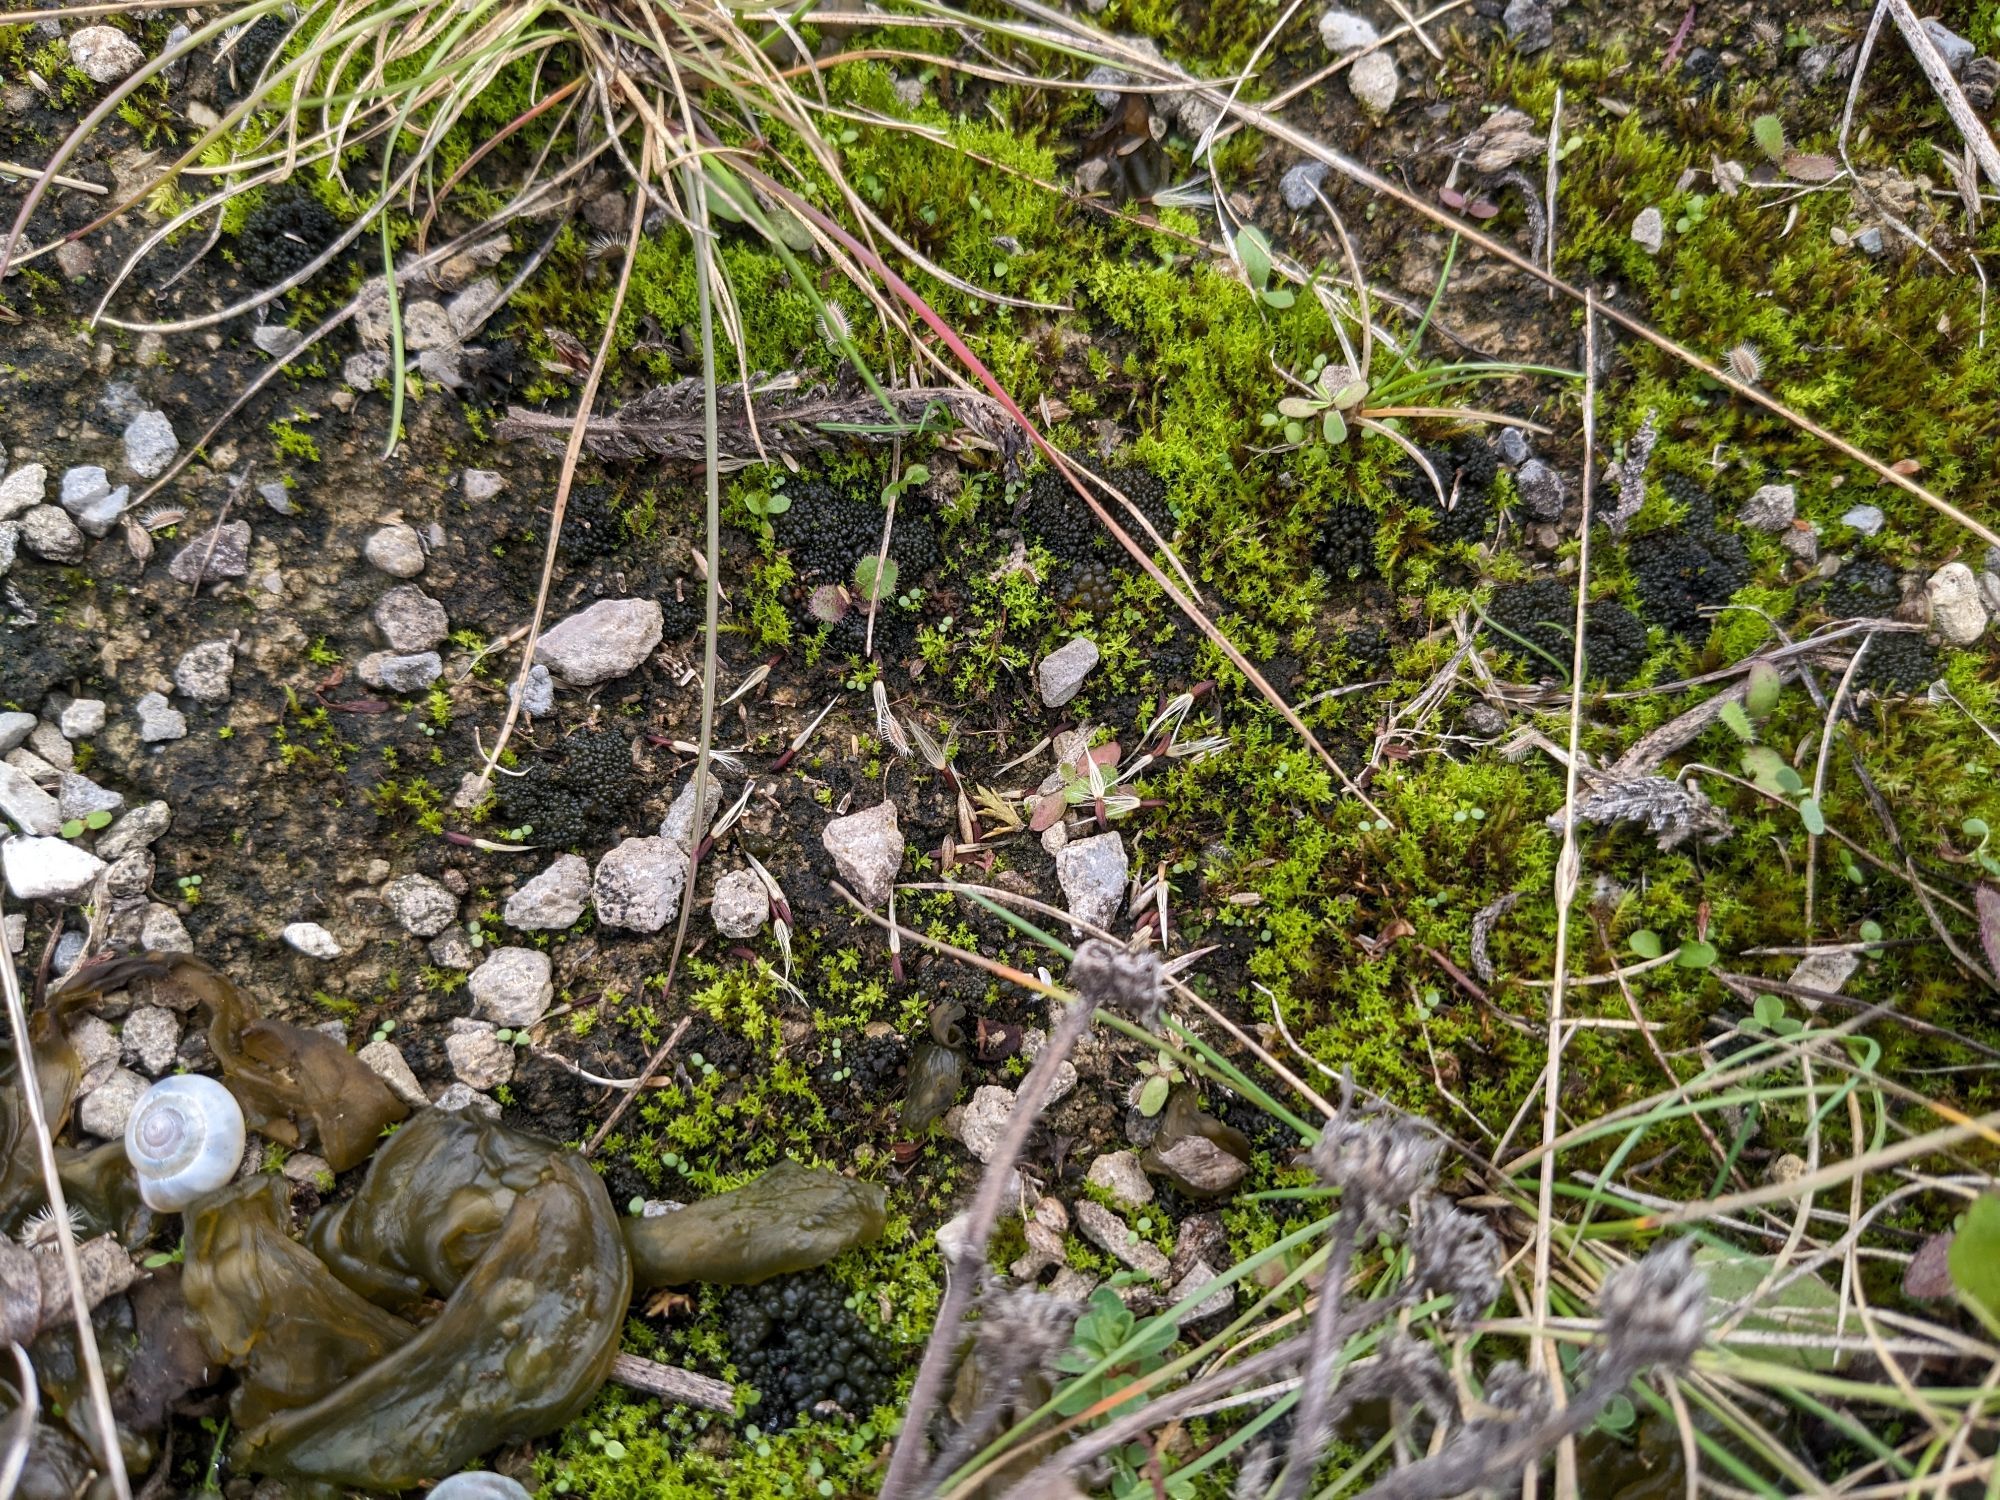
{"type": "Point", "coordinates": [1746, 364]}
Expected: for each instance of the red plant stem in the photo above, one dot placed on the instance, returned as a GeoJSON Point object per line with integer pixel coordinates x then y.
{"type": "Point", "coordinates": [1680, 39]}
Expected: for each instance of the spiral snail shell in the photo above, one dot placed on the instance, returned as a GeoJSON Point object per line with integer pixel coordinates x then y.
{"type": "Point", "coordinates": [184, 1139]}
{"type": "Point", "coordinates": [478, 1484]}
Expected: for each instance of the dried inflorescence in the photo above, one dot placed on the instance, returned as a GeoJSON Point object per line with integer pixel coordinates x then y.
{"type": "Point", "coordinates": [1458, 1255]}
{"type": "Point", "coordinates": [1673, 812]}
{"type": "Point", "coordinates": [1654, 1313]}
{"type": "Point", "coordinates": [1379, 1163]}
{"type": "Point", "coordinates": [1112, 979]}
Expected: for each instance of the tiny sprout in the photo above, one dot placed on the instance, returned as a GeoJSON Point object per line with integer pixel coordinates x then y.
{"type": "Point", "coordinates": [73, 828]}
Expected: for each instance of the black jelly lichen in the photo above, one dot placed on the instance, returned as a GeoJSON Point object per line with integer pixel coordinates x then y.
{"type": "Point", "coordinates": [801, 1346]}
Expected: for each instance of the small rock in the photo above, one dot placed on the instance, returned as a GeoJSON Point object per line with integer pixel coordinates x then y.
{"type": "Point", "coordinates": [103, 53]}
{"type": "Point", "coordinates": [26, 805]}
{"type": "Point", "coordinates": [426, 325]}
{"type": "Point", "coordinates": [1119, 1174]}
{"type": "Point", "coordinates": [552, 900]}
{"type": "Point", "coordinates": [452, 949]}
{"type": "Point", "coordinates": [1109, 1233]}
{"type": "Point", "coordinates": [1300, 184]}
{"type": "Point", "coordinates": [1093, 873]}
{"type": "Point", "coordinates": [460, 1098]}
{"type": "Point", "coordinates": [740, 905]}
{"type": "Point", "coordinates": [75, 259]}
{"type": "Point", "coordinates": [106, 1108]}
{"type": "Point", "coordinates": [82, 486]}
{"type": "Point", "coordinates": [1217, 1302]}
{"type": "Point", "coordinates": [15, 727]}
{"type": "Point", "coordinates": [1541, 490]}
{"type": "Point", "coordinates": [1869, 241]}
{"type": "Point", "coordinates": [638, 885]}
{"type": "Point", "coordinates": [1343, 31]}
{"type": "Point", "coordinates": [69, 949]}
{"type": "Point", "coordinates": [307, 1170]}
{"type": "Point", "coordinates": [678, 825]}
{"type": "Point", "coordinates": [150, 444]}
{"type": "Point", "coordinates": [14, 928]}
{"type": "Point", "coordinates": [479, 1059]}
{"type": "Point", "coordinates": [540, 699]}
{"type": "Point", "coordinates": [79, 796]}
{"type": "Point", "coordinates": [1826, 61]}
{"type": "Point", "coordinates": [1055, 838]}
{"type": "Point", "coordinates": [1770, 509]}
{"type": "Point", "coordinates": [1105, 81]}
{"type": "Point", "coordinates": [1513, 446]}
{"type": "Point", "coordinates": [277, 340]}
{"type": "Point", "coordinates": [1196, 1165]}
{"type": "Point", "coordinates": [611, 638]}
{"type": "Point", "coordinates": [48, 869]}
{"type": "Point", "coordinates": [421, 906]}
{"type": "Point", "coordinates": [22, 490]}
{"type": "Point", "coordinates": [362, 371]}
{"type": "Point", "coordinates": [513, 988]}
{"type": "Point", "coordinates": [47, 741]}
{"type": "Point", "coordinates": [220, 552]}
{"type": "Point", "coordinates": [130, 874]}
{"type": "Point", "coordinates": [984, 1120]}
{"type": "Point", "coordinates": [385, 1061]}
{"type": "Point", "coordinates": [277, 496]}
{"type": "Point", "coordinates": [411, 620]}
{"type": "Point", "coordinates": [159, 721]}
{"type": "Point", "coordinates": [1953, 48]}
{"type": "Point", "coordinates": [83, 718]}
{"type": "Point", "coordinates": [1957, 612]}
{"type": "Point", "coordinates": [48, 533]}
{"type": "Point", "coordinates": [1802, 541]}
{"type": "Point", "coordinates": [138, 828]}
{"type": "Point", "coordinates": [1531, 25]}
{"type": "Point", "coordinates": [481, 484]}
{"type": "Point", "coordinates": [472, 307]}
{"type": "Point", "coordinates": [1649, 230]}
{"type": "Point", "coordinates": [10, 545]}
{"type": "Point", "coordinates": [1062, 671]}
{"type": "Point", "coordinates": [163, 931]}
{"type": "Point", "coordinates": [1374, 82]}
{"type": "Point", "coordinates": [311, 939]}
{"type": "Point", "coordinates": [867, 850]}
{"type": "Point", "coordinates": [1866, 519]}
{"type": "Point", "coordinates": [401, 674]}
{"type": "Point", "coordinates": [397, 550]}
{"type": "Point", "coordinates": [97, 1051]}
{"type": "Point", "coordinates": [150, 1039]}
{"type": "Point", "coordinates": [203, 672]}
{"type": "Point", "coordinates": [1989, 591]}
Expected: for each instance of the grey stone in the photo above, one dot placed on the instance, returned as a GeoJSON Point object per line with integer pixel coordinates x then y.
{"type": "Point", "coordinates": [678, 825]}
{"type": "Point", "coordinates": [203, 672]}
{"type": "Point", "coordinates": [104, 54]}
{"type": "Point", "coordinates": [163, 932]}
{"type": "Point", "coordinates": [23, 490]}
{"type": "Point", "coordinates": [1513, 446]}
{"type": "Point", "coordinates": [97, 1051]}
{"type": "Point", "coordinates": [411, 620]}
{"type": "Point", "coordinates": [1093, 872]}
{"type": "Point", "coordinates": [638, 885]}
{"type": "Point", "coordinates": [133, 832]}
{"type": "Point", "coordinates": [69, 949]}
{"type": "Point", "coordinates": [1062, 671]}
{"type": "Point", "coordinates": [460, 1098]}
{"type": "Point", "coordinates": [1869, 241]}
{"type": "Point", "coordinates": [1033, 1039]}
{"type": "Point", "coordinates": [311, 939]}
{"type": "Point", "coordinates": [106, 1108]}
{"type": "Point", "coordinates": [26, 805]}
{"type": "Point", "coordinates": [14, 927]}
{"type": "Point", "coordinates": [361, 371]}
{"type": "Point", "coordinates": [1196, 1164]}
{"type": "Point", "coordinates": [513, 987]}
{"type": "Point", "coordinates": [278, 497]}
{"type": "Point", "coordinates": [553, 899]}
{"type": "Point", "coordinates": [984, 1119]}
{"type": "Point", "coordinates": [481, 484]}
{"type": "Point", "coordinates": [83, 718]}
{"type": "Point", "coordinates": [1120, 1175]}
{"type": "Point", "coordinates": [150, 444]}
{"type": "Point", "coordinates": [1649, 230]}
{"type": "Point", "coordinates": [741, 905]}
{"type": "Point", "coordinates": [607, 640]}
{"type": "Point", "coordinates": [100, 515]}
{"type": "Point", "coordinates": [1826, 61]}
{"type": "Point", "coordinates": [1802, 542]}
{"type": "Point", "coordinates": [10, 545]}
{"type": "Point", "coordinates": [1953, 48]}
{"type": "Point", "coordinates": [426, 325]}
{"type": "Point", "coordinates": [220, 552]}
{"type": "Point", "coordinates": [1957, 611]}
{"type": "Point", "coordinates": [1109, 1233]}
{"type": "Point", "coordinates": [473, 306]}
{"type": "Point", "coordinates": [48, 869]}
{"type": "Point", "coordinates": [79, 796]}
{"type": "Point", "coordinates": [1541, 490]}
{"type": "Point", "coordinates": [867, 850]}
{"type": "Point", "coordinates": [1374, 81]}
{"type": "Point", "coordinates": [1343, 31]}
{"type": "Point", "coordinates": [307, 1170]}
{"type": "Point", "coordinates": [150, 1039]}
{"type": "Point", "coordinates": [81, 485]}
{"type": "Point", "coordinates": [276, 339]}
{"type": "Point", "coordinates": [1866, 519]}
{"type": "Point", "coordinates": [46, 740]}
{"type": "Point", "coordinates": [397, 550]}
{"type": "Point", "coordinates": [48, 533]}
{"type": "Point", "coordinates": [1989, 591]}
{"type": "Point", "coordinates": [1771, 509]}
{"type": "Point", "coordinates": [130, 874]}
{"type": "Point", "coordinates": [15, 727]}
{"type": "Point", "coordinates": [1217, 1302]}
{"type": "Point", "coordinates": [1530, 24]}
{"type": "Point", "coordinates": [452, 949]}
{"type": "Point", "coordinates": [385, 1060]}
{"type": "Point", "coordinates": [401, 674]}
{"type": "Point", "coordinates": [1105, 81]}
{"type": "Point", "coordinates": [540, 700]}
{"type": "Point", "coordinates": [1300, 184]}
{"type": "Point", "coordinates": [479, 1059]}
{"type": "Point", "coordinates": [421, 906]}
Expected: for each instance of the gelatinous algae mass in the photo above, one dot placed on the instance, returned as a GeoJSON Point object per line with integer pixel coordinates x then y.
{"type": "Point", "coordinates": [791, 1219]}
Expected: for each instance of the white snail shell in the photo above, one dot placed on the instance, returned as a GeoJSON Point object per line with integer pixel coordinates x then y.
{"type": "Point", "coordinates": [184, 1139]}
{"type": "Point", "coordinates": [478, 1484]}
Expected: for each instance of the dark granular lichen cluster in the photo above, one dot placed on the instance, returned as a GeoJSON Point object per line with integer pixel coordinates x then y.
{"type": "Point", "coordinates": [593, 525]}
{"type": "Point", "coordinates": [828, 529]}
{"type": "Point", "coordinates": [1056, 516]}
{"type": "Point", "coordinates": [1867, 588]}
{"type": "Point", "coordinates": [1683, 569]}
{"type": "Point", "coordinates": [865, 1075]}
{"type": "Point", "coordinates": [685, 613]}
{"type": "Point", "coordinates": [1544, 613]}
{"type": "Point", "coordinates": [801, 1346]}
{"type": "Point", "coordinates": [1345, 546]}
{"type": "Point", "coordinates": [1697, 504]}
{"type": "Point", "coordinates": [1091, 587]}
{"type": "Point", "coordinates": [283, 234]}
{"type": "Point", "coordinates": [586, 790]}
{"type": "Point", "coordinates": [1465, 472]}
{"type": "Point", "coordinates": [1899, 661]}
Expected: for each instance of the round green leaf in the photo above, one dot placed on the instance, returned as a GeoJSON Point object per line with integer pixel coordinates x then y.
{"type": "Point", "coordinates": [1646, 943]}
{"type": "Point", "coordinates": [1811, 816]}
{"type": "Point", "coordinates": [1695, 955]}
{"type": "Point", "coordinates": [1333, 427]}
{"type": "Point", "coordinates": [1153, 1096]}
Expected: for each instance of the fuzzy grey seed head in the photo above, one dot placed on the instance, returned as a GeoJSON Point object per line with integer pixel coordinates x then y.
{"type": "Point", "coordinates": [1026, 1326]}
{"type": "Point", "coordinates": [1379, 1164]}
{"type": "Point", "coordinates": [1416, 1376]}
{"type": "Point", "coordinates": [1457, 1254]}
{"type": "Point", "coordinates": [1112, 979]}
{"type": "Point", "coordinates": [1253, 1475]}
{"type": "Point", "coordinates": [1517, 1394]}
{"type": "Point", "coordinates": [1655, 1310]}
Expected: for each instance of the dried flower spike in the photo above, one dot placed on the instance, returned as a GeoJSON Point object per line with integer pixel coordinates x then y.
{"type": "Point", "coordinates": [1655, 1310]}
{"type": "Point", "coordinates": [1457, 1254]}
{"type": "Point", "coordinates": [1112, 979]}
{"type": "Point", "coordinates": [1379, 1164]}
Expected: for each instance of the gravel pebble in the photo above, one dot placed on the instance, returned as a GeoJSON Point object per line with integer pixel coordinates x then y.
{"type": "Point", "coordinates": [1957, 612]}
{"type": "Point", "coordinates": [479, 1059]}
{"type": "Point", "coordinates": [1120, 1175]}
{"type": "Point", "coordinates": [22, 490]}
{"type": "Point", "coordinates": [1109, 1233]}
{"type": "Point", "coordinates": [452, 949]}
{"type": "Point", "coordinates": [740, 905]}
{"type": "Point", "coordinates": [311, 939]}
{"type": "Point", "coordinates": [48, 869]}
{"type": "Point", "coordinates": [481, 484]}
{"type": "Point", "coordinates": [15, 727]}
{"type": "Point", "coordinates": [1343, 31]}
{"type": "Point", "coordinates": [867, 850]}
{"type": "Point", "coordinates": [638, 885]}
{"type": "Point", "coordinates": [411, 620]}
{"type": "Point", "coordinates": [1093, 873]}
{"type": "Point", "coordinates": [385, 1060]}
{"type": "Point", "coordinates": [220, 552]}
{"type": "Point", "coordinates": [1374, 81]}
{"type": "Point", "coordinates": [26, 805]}
{"type": "Point", "coordinates": [49, 533]}
{"type": "Point", "coordinates": [83, 718]}
{"type": "Point", "coordinates": [1649, 230]}
{"type": "Point", "coordinates": [1866, 519]}
{"type": "Point", "coordinates": [984, 1119]}
{"type": "Point", "coordinates": [106, 1108]}
{"type": "Point", "coordinates": [513, 988]}
{"type": "Point", "coordinates": [1770, 509]}
{"type": "Point", "coordinates": [163, 931]}
{"type": "Point", "coordinates": [159, 720]}
{"type": "Point", "coordinates": [150, 444]}
{"type": "Point", "coordinates": [97, 1051]}
{"type": "Point", "coordinates": [133, 832]}
{"type": "Point", "coordinates": [1298, 187]}
{"type": "Point", "coordinates": [401, 674]}
{"type": "Point", "coordinates": [79, 796]}
{"type": "Point", "coordinates": [553, 899]}
{"type": "Point", "coordinates": [104, 54]}
{"type": "Point", "coordinates": [397, 550]}
{"type": "Point", "coordinates": [1062, 671]}
{"type": "Point", "coordinates": [150, 1039]}
{"type": "Point", "coordinates": [460, 1097]}
{"type": "Point", "coordinates": [421, 906]}
{"type": "Point", "coordinates": [203, 672]}
{"type": "Point", "coordinates": [540, 700]}
{"type": "Point", "coordinates": [607, 640]}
